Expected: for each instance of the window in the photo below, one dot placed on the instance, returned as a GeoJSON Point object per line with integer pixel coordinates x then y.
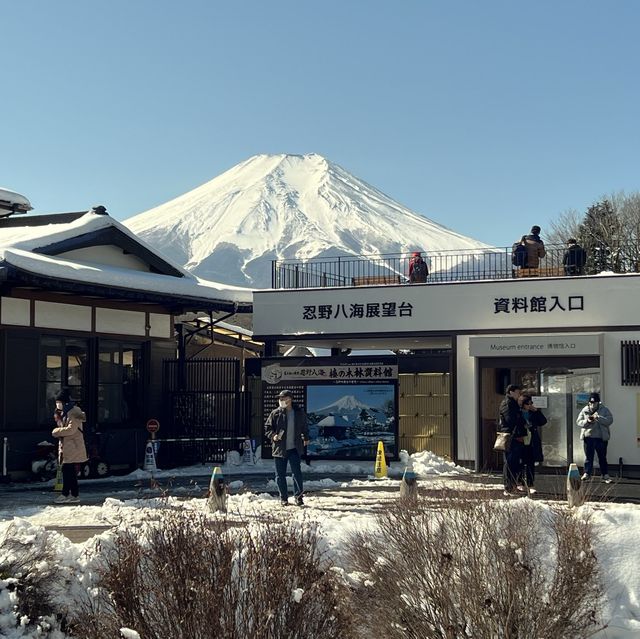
{"type": "Point", "coordinates": [630, 353]}
{"type": "Point", "coordinates": [63, 364]}
{"type": "Point", "coordinates": [119, 388]}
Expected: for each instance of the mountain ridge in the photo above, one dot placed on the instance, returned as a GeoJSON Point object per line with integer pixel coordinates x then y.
{"type": "Point", "coordinates": [284, 206]}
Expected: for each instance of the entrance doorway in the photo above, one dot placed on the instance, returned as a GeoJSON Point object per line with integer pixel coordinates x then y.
{"type": "Point", "coordinates": [560, 389]}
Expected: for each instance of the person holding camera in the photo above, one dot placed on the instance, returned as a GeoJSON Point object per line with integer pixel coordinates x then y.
{"type": "Point", "coordinates": [594, 420]}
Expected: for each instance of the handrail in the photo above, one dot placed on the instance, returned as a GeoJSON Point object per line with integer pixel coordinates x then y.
{"type": "Point", "coordinates": [489, 263]}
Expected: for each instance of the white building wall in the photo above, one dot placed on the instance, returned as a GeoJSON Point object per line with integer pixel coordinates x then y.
{"type": "Point", "coordinates": [467, 400]}
{"type": "Point", "coordinates": [622, 401]}
{"type": "Point", "coordinates": [553, 317]}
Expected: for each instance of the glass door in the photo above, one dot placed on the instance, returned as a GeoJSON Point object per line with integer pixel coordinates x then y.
{"type": "Point", "coordinates": [563, 393]}
{"type": "Point", "coordinates": [583, 382]}
{"type": "Point", "coordinates": [560, 388]}
{"type": "Point", "coordinates": [553, 403]}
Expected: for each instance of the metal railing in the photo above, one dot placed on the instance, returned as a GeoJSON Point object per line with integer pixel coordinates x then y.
{"type": "Point", "coordinates": [444, 266]}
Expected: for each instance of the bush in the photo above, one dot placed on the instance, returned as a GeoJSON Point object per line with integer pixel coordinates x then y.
{"type": "Point", "coordinates": [30, 579]}
{"type": "Point", "coordinates": [193, 577]}
{"type": "Point", "coordinates": [466, 567]}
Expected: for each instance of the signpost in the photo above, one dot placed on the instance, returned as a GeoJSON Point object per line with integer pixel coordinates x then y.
{"type": "Point", "coordinates": [153, 426]}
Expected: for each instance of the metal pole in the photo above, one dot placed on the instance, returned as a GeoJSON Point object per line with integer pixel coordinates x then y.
{"type": "Point", "coordinates": [4, 457]}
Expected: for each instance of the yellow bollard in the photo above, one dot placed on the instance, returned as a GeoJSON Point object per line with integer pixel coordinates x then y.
{"type": "Point", "coordinates": [380, 469]}
{"type": "Point", "coordinates": [58, 485]}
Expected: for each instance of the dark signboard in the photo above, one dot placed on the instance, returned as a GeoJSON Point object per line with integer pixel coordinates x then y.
{"type": "Point", "coordinates": [351, 404]}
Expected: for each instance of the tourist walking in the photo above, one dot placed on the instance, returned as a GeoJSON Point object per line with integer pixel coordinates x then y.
{"type": "Point", "coordinates": [288, 431]}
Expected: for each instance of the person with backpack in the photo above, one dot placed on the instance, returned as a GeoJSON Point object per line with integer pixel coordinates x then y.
{"type": "Point", "coordinates": [418, 269]}
{"type": "Point", "coordinates": [575, 257]}
{"type": "Point", "coordinates": [519, 253]}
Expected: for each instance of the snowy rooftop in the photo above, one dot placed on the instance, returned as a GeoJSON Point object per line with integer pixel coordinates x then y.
{"type": "Point", "coordinates": [20, 243]}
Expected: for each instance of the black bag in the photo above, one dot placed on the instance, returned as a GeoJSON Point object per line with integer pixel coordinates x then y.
{"type": "Point", "coordinates": [519, 255]}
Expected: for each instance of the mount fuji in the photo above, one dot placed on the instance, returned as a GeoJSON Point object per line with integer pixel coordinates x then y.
{"type": "Point", "coordinates": [284, 207]}
{"type": "Point", "coordinates": [346, 404]}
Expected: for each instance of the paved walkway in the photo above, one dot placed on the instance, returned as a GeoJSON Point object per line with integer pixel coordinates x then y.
{"type": "Point", "coordinates": [555, 487]}
{"type": "Point", "coordinates": [549, 486]}
{"type": "Point", "coordinates": [79, 534]}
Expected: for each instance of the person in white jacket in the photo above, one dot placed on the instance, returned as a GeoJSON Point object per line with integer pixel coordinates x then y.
{"type": "Point", "coordinates": [595, 419]}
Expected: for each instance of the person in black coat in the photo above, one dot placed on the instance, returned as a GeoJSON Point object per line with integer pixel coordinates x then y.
{"type": "Point", "coordinates": [512, 421]}
{"type": "Point", "coordinates": [575, 257]}
{"type": "Point", "coordinates": [288, 431]}
{"type": "Point", "coordinates": [532, 450]}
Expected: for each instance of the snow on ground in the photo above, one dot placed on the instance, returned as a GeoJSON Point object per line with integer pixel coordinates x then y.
{"type": "Point", "coordinates": [340, 508]}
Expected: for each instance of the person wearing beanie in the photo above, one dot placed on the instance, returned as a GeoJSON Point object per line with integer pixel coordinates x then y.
{"type": "Point", "coordinates": [69, 420]}
{"type": "Point", "coordinates": [535, 247]}
{"type": "Point", "coordinates": [574, 259]}
{"type": "Point", "coordinates": [594, 420]}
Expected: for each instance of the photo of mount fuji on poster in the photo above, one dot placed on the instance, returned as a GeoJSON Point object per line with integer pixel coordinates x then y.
{"type": "Point", "coordinates": [349, 421]}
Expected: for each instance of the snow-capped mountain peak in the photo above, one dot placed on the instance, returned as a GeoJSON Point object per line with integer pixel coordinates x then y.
{"type": "Point", "coordinates": [284, 207]}
{"type": "Point", "coordinates": [346, 404]}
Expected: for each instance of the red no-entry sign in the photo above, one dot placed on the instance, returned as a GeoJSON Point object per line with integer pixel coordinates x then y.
{"type": "Point", "coordinates": [153, 425]}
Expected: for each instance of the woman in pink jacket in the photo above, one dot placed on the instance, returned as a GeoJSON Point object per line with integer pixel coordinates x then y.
{"type": "Point", "coordinates": [71, 449]}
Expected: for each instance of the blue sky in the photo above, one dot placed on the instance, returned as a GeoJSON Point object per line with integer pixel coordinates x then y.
{"type": "Point", "coordinates": [485, 116]}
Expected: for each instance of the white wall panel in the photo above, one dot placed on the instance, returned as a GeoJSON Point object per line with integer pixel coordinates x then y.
{"type": "Point", "coordinates": [70, 317]}
{"type": "Point", "coordinates": [111, 320]}
{"type": "Point", "coordinates": [107, 254]}
{"type": "Point", "coordinates": [466, 400]}
{"type": "Point", "coordinates": [15, 311]}
{"type": "Point", "coordinates": [622, 401]}
{"type": "Point", "coordinates": [160, 325]}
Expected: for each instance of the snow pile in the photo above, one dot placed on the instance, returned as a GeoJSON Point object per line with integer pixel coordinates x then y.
{"type": "Point", "coordinates": [338, 511]}
{"type": "Point", "coordinates": [428, 463]}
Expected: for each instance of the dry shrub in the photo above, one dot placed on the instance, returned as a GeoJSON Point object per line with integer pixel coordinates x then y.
{"type": "Point", "coordinates": [193, 577]}
{"type": "Point", "coordinates": [469, 567]}
{"type": "Point", "coordinates": [30, 581]}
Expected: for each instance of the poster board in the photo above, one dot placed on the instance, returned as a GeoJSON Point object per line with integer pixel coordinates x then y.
{"type": "Point", "coordinates": [351, 403]}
